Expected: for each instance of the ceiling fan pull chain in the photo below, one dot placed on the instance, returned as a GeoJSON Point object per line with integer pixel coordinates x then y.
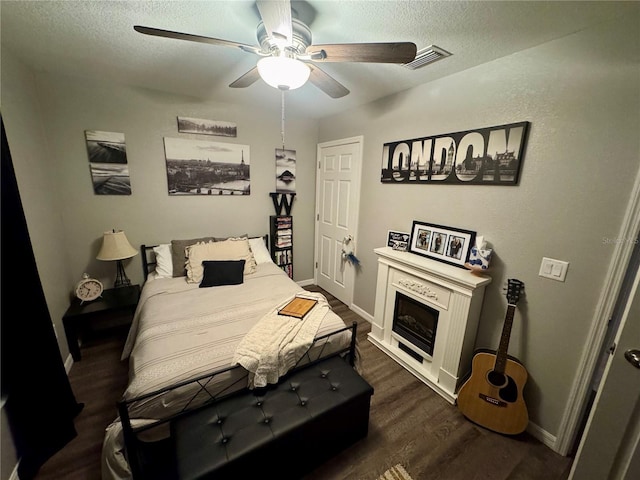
{"type": "Point", "coordinates": [282, 124]}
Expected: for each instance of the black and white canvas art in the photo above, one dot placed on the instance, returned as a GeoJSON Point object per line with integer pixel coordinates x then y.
{"type": "Point", "coordinates": [485, 156]}
{"type": "Point", "coordinates": [200, 167]}
{"type": "Point", "coordinates": [207, 127]}
{"type": "Point", "coordinates": [108, 162]}
{"type": "Point", "coordinates": [285, 170]}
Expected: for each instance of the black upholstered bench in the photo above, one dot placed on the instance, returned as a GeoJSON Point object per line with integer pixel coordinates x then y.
{"type": "Point", "coordinates": [283, 431]}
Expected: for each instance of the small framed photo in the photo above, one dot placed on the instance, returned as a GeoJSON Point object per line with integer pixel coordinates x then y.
{"type": "Point", "coordinates": [445, 244]}
{"type": "Point", "coordinates": [398, 240]}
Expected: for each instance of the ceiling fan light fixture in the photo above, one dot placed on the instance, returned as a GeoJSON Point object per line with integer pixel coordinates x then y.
{"type": "Point", "coordinates": [283, 73]}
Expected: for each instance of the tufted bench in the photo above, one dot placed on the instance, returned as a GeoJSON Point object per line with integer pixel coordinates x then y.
{"type": "Point", "coordinates": [284, 431]}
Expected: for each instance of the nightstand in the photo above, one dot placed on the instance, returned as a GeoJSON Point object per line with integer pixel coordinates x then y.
{"type": "Point", "coordinates": [114, 304]}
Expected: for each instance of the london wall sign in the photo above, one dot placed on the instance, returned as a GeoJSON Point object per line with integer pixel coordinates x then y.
{"type": "Point", "coordinates": [486, 156]}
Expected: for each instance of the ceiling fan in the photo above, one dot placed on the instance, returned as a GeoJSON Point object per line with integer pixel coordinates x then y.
{"type": "Point", "coordinates": [289, 58]}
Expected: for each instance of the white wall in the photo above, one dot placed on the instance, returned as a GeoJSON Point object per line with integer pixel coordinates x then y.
{"type": "Point", "coordinates": [32, 161]}
{"type": "Point", "coordinates": [149, 215]}
{"type": "Point", "coordinates": [19, 102]}
{"type": "Point", "coordinates": [581, 94]}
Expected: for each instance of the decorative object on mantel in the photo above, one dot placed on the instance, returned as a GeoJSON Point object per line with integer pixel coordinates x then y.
{"type": "Point", "coordinates": [485, 156]}
{"type": "Point", "coordinates": [445, 244]}
{"type": "Point", "coordinates": [207, 127]}
{"type": "Point", "coordinates": [398, 240]}
{"type": "Point", "coordinates": [348, 247]}
{"type": "Point", "coordinates": [202, 167]}
{"type": "Point", "coordinates": [108, 162]}
{"type": "Point", "coordinates": [479, 256]}
{"type": "Point", "coordinates": [116, 247]}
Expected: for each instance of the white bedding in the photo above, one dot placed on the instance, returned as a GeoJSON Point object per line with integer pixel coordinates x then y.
{"type": "Point", "coordinates": [180, 331]}
{"type": "Point", "coordinates": [277, 342]}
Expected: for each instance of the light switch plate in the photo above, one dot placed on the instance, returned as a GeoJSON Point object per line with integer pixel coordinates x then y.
{"type": "Point", "coordinates": [553, 269]}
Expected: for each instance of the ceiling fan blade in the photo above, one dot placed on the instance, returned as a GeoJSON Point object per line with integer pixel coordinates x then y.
{"type": "Point", "coordinates": [247, 79]}
{"type": "Point", "coordinates": [276, 16]}
{"type": "Point", "coordinates": [326, 83]}
{"type": "Point", "coordinates": [396, 52]}
{"type": "Point", "coordinates": [195, 38]}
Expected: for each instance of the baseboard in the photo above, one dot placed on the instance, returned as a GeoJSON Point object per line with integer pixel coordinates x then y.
{"type": "Point", "coordinates": [68, 363]}
{"type": "Point", "coordinates": [545, 437]}
{"type": "Point", "coordinates": [306, 283]}
{"type": "Point", "coordinates": [368, 317]}
{"type": "Point", "coordinates": [14, 474]}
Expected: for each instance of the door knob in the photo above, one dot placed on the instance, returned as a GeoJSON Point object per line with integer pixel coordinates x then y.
{"type": "Point", "coordinates": [633, 357]}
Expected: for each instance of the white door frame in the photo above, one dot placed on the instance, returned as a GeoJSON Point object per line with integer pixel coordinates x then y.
{"type": "Point", "coordinates": [575, 409]}
{"type": "Point", "coordinates": [610, 441]}
{"type": "Point", "coordinates": [358, 139]}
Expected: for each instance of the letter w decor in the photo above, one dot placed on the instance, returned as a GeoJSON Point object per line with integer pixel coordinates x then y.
{"type": "Point", "coordinates": [282, 200]}
{"type": "Point", "coordinates": [486, 156]}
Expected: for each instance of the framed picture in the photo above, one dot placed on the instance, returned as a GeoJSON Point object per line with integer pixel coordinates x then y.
{"type": "Point", "coordinates": [484, 156]}
{"type": "Point", "coordinates": [202, 126]}
{"type": "Point", "coordinates": [285, 171]}
{"type": "Point", "coordinates": [108, 162]}
{"type": "Point", "coordinates": [201, 167]}
{"type": "Point", "coordinates": [445, 244]}
{"type": "Point", "coordinates": [398, 240]}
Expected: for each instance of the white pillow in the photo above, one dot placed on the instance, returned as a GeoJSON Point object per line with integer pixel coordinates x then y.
{"type": "Point", "coordinates": [164, 264]}
{"type": "Point", "coordinates": [230, 249]}
{"type": "Point", "coordinates": [259, 249]}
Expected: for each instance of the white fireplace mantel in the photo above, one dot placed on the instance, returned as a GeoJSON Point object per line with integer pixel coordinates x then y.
{"type": "Point", "coordinates": [455, 293]}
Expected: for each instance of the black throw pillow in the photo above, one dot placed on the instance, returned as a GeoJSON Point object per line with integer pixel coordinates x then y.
{"type": "Point", "coordinates": [222, 272]}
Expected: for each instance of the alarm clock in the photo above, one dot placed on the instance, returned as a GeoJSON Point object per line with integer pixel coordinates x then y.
{"type": "Point", "coordinates": [88, 288]}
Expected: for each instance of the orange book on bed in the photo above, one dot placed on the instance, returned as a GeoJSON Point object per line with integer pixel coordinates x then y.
{"type": "Point", "coordinates": [298, 307]}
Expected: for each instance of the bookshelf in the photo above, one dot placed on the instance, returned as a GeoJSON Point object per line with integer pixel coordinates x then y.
{"type": "Point", "coordinates": [281, 236]}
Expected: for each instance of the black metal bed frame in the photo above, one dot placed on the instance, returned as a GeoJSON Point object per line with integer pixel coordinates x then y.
{"type": "Point", "coordinates": [130, 433]}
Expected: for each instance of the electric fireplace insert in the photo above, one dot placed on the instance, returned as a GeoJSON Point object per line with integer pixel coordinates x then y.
{"type": "Point", "coordinates": [415, 322]}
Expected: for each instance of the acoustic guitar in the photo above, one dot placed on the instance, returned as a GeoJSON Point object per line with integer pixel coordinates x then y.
{"type": "Point", "coordinates": [492, 395]}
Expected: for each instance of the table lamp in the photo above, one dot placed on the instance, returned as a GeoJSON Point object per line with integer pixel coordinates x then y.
{"type": "Point", "coordinates": [115, 246]}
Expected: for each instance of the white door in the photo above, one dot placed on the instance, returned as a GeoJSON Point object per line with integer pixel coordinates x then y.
{"type": "Point", "coordinates": [337, 199]}
{"type": "Point", "coordinates": [609, 447]}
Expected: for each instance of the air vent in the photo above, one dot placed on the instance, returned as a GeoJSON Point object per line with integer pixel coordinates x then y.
{"type": "Point", "coordinates": [425, 56]}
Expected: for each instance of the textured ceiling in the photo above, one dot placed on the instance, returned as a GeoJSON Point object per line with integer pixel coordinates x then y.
{"type": "Point", "coordinates": [96, 39]}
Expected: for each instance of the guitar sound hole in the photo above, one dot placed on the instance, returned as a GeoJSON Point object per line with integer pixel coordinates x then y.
{"type": "Point", "coordinates": [510, 392]}
{"type": "Point", "coordinates": [497, 379]}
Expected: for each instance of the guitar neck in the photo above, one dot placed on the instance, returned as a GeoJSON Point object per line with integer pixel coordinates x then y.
{"type": "Point", "coordinates": [501, 355]}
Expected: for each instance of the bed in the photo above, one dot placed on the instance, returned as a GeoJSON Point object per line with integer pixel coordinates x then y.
{"type": "Point", "coordinates": [201, 326]}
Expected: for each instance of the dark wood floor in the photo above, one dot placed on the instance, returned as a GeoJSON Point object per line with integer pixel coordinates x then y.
{"type": "Point", "coordinates": [410, 424]}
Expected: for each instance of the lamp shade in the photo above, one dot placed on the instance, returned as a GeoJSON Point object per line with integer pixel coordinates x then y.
{"type": "Point", "coordinates": [283, 72]}
{"type": "Point", "coordinates": [115, 246]}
